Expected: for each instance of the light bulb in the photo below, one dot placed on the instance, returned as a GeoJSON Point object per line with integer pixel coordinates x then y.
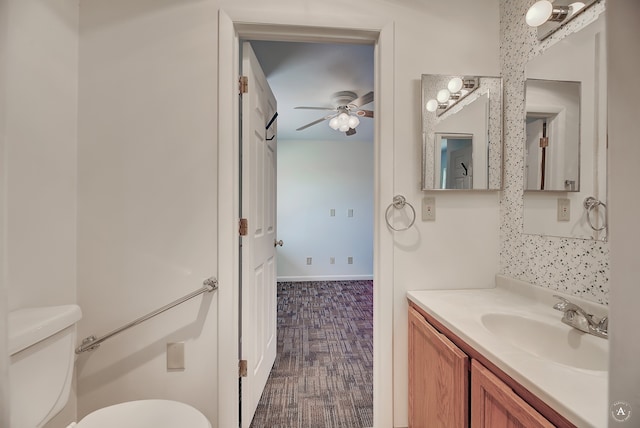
{"type": "Point", "coordinates": [432, 105]}
{"type": "Point", "coordinates": [455, 85]}
{"type": "Point", "coordinates": [344, 128]}
{"type": "Point", "coordinates": [353, 122]}
{"type": "Point", "coordinates": [333, 123]}
{"type": "Point", "coordinates": [443, 95]}
{"type": "Point", "coordinates": [343, 118]}
{"type": "Point", "coordinates": [576, 7]}
{"type": "Point", "coordinates": [539, 13]}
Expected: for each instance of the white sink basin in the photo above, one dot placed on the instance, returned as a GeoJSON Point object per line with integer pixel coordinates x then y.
{"type": "Point", "coordinates": [555, 342]}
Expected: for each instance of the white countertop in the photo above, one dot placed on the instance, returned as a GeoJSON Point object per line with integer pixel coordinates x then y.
{"type": "Point", "coordinates": [580, 395]}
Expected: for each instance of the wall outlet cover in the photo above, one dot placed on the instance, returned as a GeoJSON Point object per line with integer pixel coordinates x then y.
{"type": "Point", "coordinates": [564, 209]}
{"type": "Point", "coordinates": [429, 208]}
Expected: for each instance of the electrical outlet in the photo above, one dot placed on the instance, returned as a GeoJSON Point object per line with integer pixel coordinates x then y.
{"type": "Point", "coordinates": [429, 208]}
{"type": "Point", "coordinates": [332, 260]}
{"type": "Point", "coordinates": [309, 260]}
{"type": "Point", "coordinates": [564, 209]}
{"type": "Point", "coordinates": [349, 260]}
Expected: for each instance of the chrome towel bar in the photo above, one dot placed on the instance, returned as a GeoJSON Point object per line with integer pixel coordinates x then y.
{"type": "Point", "coordinates": [91, 342]}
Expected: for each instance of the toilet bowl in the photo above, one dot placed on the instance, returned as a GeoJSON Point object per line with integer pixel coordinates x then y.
{"type": "Point", "coordinates": [145, 414]}
{"type": "Point", "coordinates": [41, 350]}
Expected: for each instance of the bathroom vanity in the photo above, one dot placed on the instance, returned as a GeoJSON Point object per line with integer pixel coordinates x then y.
{"type": "Point", "coordinates": [488, 356]}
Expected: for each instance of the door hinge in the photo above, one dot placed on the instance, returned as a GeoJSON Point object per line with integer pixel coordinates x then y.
{"type": "Point", "coordinates": [244, 227]}
{"type": "Point", "coordinates": [242, 368]}
{"type": "Point", "coordinates": [243, 84]}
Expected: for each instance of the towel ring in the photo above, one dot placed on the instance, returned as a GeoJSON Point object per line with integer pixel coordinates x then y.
{"type": "Point", "coordinates": [589, 204]}
{"type": "Point", "coordinates": [399, 202]}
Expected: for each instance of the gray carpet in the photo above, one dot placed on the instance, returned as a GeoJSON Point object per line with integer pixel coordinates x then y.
{"type": "Point", "coordinates": [323, 374]}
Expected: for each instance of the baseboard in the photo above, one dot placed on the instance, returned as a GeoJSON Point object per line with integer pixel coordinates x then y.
{"type": "Point", "coordinates": [325, 278]}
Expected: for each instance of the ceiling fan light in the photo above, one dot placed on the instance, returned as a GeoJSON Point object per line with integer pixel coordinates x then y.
{"type": "Point", "coordinates": [443, 95]}
{"type": "Point", "coordinates": [334, 123]}
{"type": "Point", "coordinates": [343, 118]}
{"type": "Point", "coordinates": [432, 105]}
{"type": "Point", "coordinates": [455, 85]}
{"type": "Point", "coordinates": [353, 121]}
{"type": "Point", "coordinates": [344, 128]}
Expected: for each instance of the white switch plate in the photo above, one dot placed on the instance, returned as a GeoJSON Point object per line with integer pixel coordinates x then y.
{"type": "Point", "coordinates": [349, 260]}
{"type": "Point", "coordinates": [309, 260]}
{"type": "Point", "coordinates": [350, 212]}
{"type": "Point", "coordinates": [428, 208]}
{"type": "Point", "coordinates": [332, 212]}
{"type": "Point", "coordinates": [564, 209]}
{"type": "Point", "coordinates": [175, 356]}
{"type": "Point", "coordinates": [332, 260]}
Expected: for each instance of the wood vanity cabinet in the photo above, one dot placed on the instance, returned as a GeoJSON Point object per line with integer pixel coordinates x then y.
{"type": "Point", "coordinates": [438, 378]}
{"type": "Point", "coordinates": [451, 386]}
{"type": "Point", "coordinates": [494, 404]}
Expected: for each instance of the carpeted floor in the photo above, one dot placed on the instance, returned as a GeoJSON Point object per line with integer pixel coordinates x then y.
{"type": "Point", "coordinates": [323, 374]}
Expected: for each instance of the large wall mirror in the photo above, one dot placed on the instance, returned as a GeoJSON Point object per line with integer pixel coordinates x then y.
{"type": "Point", "coordinates": [462, 132]}
{"type": "Point", "coordinates": [565, 153]}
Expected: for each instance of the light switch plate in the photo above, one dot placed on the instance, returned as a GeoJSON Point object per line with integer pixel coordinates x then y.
{"type": "Point", "coordinates": [175, 356]}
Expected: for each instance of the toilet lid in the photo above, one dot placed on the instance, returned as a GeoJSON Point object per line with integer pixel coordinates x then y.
{"type": "Point", "coordinates": [146, 414]}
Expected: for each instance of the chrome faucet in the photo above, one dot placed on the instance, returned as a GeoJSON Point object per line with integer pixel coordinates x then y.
{"type": "Point", "coordinates": [578, 318]}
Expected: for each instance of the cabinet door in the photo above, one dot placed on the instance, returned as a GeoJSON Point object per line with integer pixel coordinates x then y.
{"type": "Point", "coordinates": [438, 378]}
{"type": "Point", "coordinates": [495, 405]}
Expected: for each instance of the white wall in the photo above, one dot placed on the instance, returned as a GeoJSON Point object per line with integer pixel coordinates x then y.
{"type": "Point", "coordinates": [147, 198]}
{"type": "Point", "coordinates": [624, 151]}
{"type": "Point", "coordinates": [315, 177]}
{"type": "Point", "coordinates": [39, 156]}
{"type": "Point", "coordinates": [146, 137]}
{"type": "Point", "coordinates": [4, 358]}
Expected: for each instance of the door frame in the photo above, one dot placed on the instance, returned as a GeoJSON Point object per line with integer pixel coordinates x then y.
{"type": "Point", "coordinates": [247, 24]}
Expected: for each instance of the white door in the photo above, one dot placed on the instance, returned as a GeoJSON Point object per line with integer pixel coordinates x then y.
{"type": "Point", "coordinates": [460, 169]}
{"type": "Point", "coordinates": [258, 256]}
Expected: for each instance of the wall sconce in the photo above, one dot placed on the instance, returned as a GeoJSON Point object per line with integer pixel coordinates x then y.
{"type": "Point", "coordinates": [456, 90]}
{"type": "Point", "coordinates": [548, 16]}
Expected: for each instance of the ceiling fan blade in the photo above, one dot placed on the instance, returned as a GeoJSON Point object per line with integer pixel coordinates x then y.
{"type": "Point", "coordinates": [365, 99]}
{"type": "Point", "coordinates": [315, 122]}
{"type": "Point", "coordinates": [364, 113]}
{"type": "Point", "coordinates": [316, 108]}
{"type": "Point", "coordinates": [351, 131]}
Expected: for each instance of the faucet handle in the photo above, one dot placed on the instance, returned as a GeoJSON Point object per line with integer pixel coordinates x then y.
{"type": "Point", "coordinates": [603, 325]}
{"type": "Point", "coordinates": [562, 304]}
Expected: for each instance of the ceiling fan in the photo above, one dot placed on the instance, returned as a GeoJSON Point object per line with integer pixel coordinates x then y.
{"type": "Point", "coordinates": [346, 111]}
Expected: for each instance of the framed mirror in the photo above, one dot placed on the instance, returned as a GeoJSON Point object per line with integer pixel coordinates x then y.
{"type": "Point", "coordinates": [565, 150]}
{"type": "Point", "coordinates": [462, 132]}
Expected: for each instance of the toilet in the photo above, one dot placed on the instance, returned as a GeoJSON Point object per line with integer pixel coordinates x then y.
{"type": "Point", "coordinates": [41, 349]}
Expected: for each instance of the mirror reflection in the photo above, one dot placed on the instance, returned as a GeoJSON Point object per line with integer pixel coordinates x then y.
{"type": "Point", "coordinates": [455, 170]}
{"type": "Point", "coordinates": [552, 151]}
{"type": "Point", "coordinates": [462, 132]}
{"type": "Point", "coordinates": [566, 137]}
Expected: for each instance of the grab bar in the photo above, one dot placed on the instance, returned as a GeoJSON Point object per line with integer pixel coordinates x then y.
{"type": "Point", "coordinates": [91, 342]}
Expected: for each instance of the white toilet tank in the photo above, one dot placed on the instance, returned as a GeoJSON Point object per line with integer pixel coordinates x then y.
{"type": "Point", "coordinates": [41, 350]}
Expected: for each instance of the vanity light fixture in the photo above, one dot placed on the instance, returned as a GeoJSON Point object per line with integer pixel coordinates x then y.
{"type": "Point", "coordinates": [456, 90]}
{"type": "Point", "coordinates": [544, 11]}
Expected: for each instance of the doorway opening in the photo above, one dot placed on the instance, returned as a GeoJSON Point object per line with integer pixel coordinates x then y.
{"type": "Point", "coordinates": [247, 25]}
{"type": "Point", "coordinates": [323, 372]}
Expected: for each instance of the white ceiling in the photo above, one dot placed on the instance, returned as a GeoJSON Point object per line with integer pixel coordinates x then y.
{"type": "Point", "coordinates": [308, 74]}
